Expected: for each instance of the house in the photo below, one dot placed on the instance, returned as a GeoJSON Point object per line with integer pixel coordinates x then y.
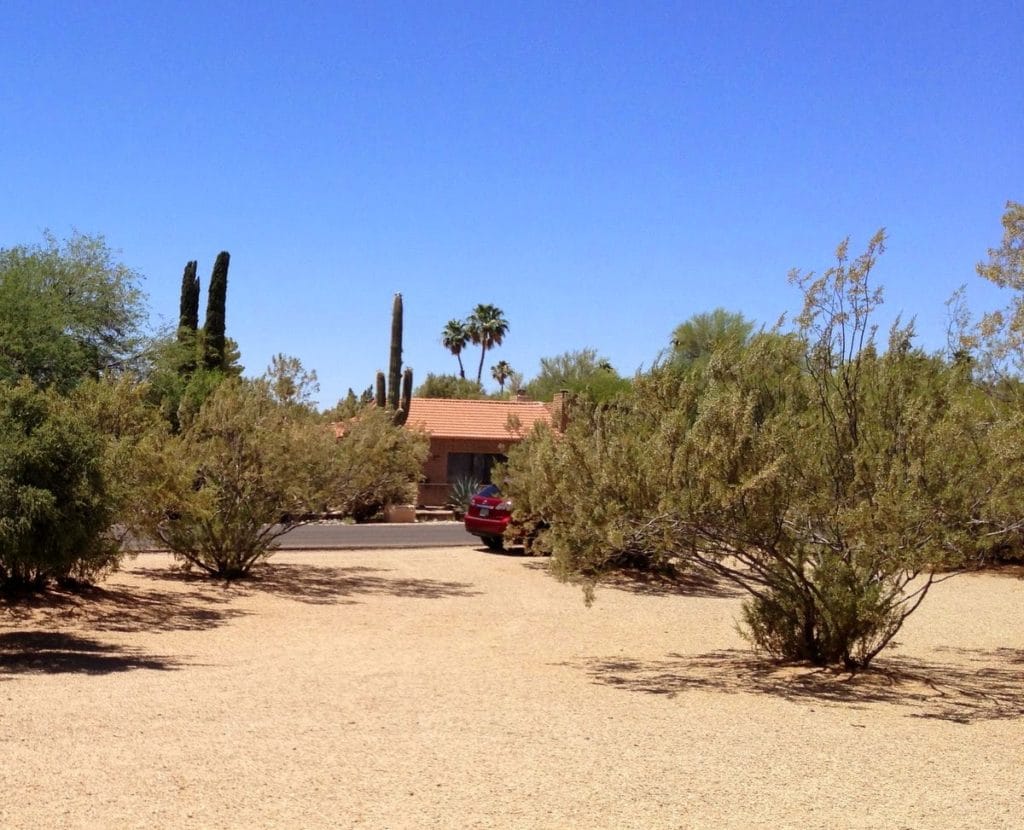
{"type": "Point", "coordinates": [467, 437]}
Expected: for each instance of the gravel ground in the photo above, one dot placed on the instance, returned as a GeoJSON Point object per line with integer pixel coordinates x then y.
{"type": "Point", "coordinates": [459, 689]}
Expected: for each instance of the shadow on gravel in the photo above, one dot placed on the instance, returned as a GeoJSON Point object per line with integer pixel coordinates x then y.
{"type": "Point", "coordinates": [51, 652]}
{"type": "Point", "coordinates": [324, 584]}
{"type": "Point", "coordinates": [138, 609]}
{"type": "Point", "coordinates": [685, 585]}
{"type": "Point", "coordinates": [658, 585]}
{"type": "Point", "coordinates": [981, 686]}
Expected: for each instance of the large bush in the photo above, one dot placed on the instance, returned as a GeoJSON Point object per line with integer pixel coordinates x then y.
{"type": "Point", "coordinates": [830, 482]}
{"type": "Point", "coordinates": [249, 468]}
{"type": "Point", "coordinates": [378, 464]}
{"type": "Point", "coordinates": [244, 472]}
{"type": "Point", "coordinates": [56, 504]}
{"type": "Point", "coordinates": [594, 488]}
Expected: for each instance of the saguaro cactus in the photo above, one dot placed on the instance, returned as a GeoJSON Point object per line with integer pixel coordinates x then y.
{"type": "Point", "coordinates": [396, 393]}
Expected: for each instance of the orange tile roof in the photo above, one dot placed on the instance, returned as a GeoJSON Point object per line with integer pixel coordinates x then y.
{"type": "Point", "coordinates": [453, 418]}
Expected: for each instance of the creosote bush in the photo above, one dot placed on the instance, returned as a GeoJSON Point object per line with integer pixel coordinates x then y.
{"type": "Point", "coordinates": [378, 464]}
{"type": "Point", "coordinates": [244, 472]}
{"type": "Point", "coordinates": [249, 468]}
{"type": "Point", "coordinates": [833, 484]}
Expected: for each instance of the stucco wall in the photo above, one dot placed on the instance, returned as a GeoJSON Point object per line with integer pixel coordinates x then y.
{"type": "Point", "coordinates": [434, 490]}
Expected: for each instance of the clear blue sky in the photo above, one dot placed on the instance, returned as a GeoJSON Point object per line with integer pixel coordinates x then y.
{"type": "Point", "coordinates": [599, 171]}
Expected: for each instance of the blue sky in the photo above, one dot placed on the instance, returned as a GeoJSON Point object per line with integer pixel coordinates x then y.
{"type": "Point", "coordinates": [599, 171]}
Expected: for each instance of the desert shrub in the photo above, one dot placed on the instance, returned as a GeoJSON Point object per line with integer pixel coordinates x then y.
{"type": "Point", "coordinates": [120, 410]}
{"type": "Point", "coordinates": [845, 501]}
{"type": "Point", "coordinates": [245, 471]}
{"type": "Point", "coordinates": [833, 484]}
{"type": "Point", "coordinates": [593, 489]}
{"type": "Point", "coordinates": [449, 386]}
{"type": "Point", "coordinates": [56, 503]}
{"type": "Point", "coordinates": [378, 464]}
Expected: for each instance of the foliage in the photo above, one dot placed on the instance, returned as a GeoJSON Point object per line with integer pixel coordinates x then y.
{"type": "Point", "coordinates": [177, 363]}
{"type": "Point", "coordinates": [449, 386]}
{"type": "Point", "coordinates": [592, 489]}
{"type": "Point", "coordinates": [462, 490]}
{"type": "Point", "coordinates": [68, 310]}
{"type": "Point", "coordinates": [835, 492]}
{"type": "Point", "coordinates": [501, 372]}
{"type": "Point", "coordinates": [56, 504]}
{"type": "Point", "coordinates": [696, 339]}
{"type": "Point", "coordinates": [245, 471]}
{"type": "Point", "coordinates": [177, 381]}
{"type": "Point", "coordinates": [582, 372]}
{"type": "Point", "coordinates": [487, 327]}
{"type": "Point", "coordinates": [378, 464]}
{"type": "Point", "coordinates": [120, 410]}
{"type": "Point", "coordinates": [188, 305]}
{"type": "Point", "coordinates": [454, 338]}
{"type": "Point", "coordinates": [215, 354]}
{"type": "Point", "coordinates": [349, 406]}
{"type": "Point", "coordinates": [290, 383]}
{"type": "Point", "coordinates": [831, 483]}
{"type": "Point", "coordinates": [993, 351]}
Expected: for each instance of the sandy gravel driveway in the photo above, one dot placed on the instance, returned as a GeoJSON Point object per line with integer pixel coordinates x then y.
{"type": "Point", "coordinates": [455, 688]}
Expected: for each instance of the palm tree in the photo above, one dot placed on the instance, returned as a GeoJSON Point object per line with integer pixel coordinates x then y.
{"type": "Point", "coordinates": [454, 338]}
{"type": "Point", "coordinates": [501, 372]}
{"type": "Point", "coordinates": [487, 327]}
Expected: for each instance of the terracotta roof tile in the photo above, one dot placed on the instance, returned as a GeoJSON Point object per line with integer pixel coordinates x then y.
{"type": "Point", "coordinates": [452, 418]}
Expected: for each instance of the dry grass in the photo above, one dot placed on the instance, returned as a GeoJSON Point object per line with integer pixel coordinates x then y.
{"type": "Point", "coordinates": [456, 688]}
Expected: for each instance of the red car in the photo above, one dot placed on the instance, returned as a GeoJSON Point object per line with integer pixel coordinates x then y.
{"type": "Point", "coordinates": [488, 516]}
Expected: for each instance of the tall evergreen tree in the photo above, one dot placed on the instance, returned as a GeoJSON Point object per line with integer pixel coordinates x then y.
{"type": "Point", "coordinates": [216, 302]}
{"type": "Point", "coordinates": [188, 314]}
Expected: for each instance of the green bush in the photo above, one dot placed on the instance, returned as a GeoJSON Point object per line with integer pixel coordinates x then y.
{"type": "Point", "coordinates": [378, 464]}
{"type": "Point", "coordinates": [245, 471]}
{"type": "Point", "coordinates": [56, 504]}
{"type": "Point", "coordinates": [833, 484]}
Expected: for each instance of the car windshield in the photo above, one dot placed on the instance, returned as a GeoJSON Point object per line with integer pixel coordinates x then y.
{"type": "Point", "coordinates": [489, 490]}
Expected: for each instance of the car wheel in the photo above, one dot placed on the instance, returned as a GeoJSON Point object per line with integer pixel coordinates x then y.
{"type": "Point", "coordinates": [494, 542]}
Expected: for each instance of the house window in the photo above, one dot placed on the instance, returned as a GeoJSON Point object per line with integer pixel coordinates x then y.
{"type": "Point", "coordinates": [474, 465]}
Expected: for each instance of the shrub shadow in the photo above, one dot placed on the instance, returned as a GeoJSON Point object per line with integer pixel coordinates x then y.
{"type": "Point", "coordinates": [982, 686]}
{"type": "Point", "coordinates": [326, 584]}
{"type": "Point", "coordinates": [52, 652]}
{"type": "Point", "coordinates": [687, 584]}
{"type": "Point", "coordinates": [647, 583]}
{"type": "Point", "coordinates": [512, 551]}
{"type": "Point", "coordinates": [117, 609]}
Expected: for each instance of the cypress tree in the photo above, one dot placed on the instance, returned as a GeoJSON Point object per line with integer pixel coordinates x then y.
{"type": "Point", "coordinates": [188, 318]}
{"type": "Point", "coordinates": [188, 313]}
{"type": "Point", "coordinates": [216, 302]}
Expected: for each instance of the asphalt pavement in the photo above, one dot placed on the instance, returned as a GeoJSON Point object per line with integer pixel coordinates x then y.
{"type": "Point", "coordinates": [338, 536]}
